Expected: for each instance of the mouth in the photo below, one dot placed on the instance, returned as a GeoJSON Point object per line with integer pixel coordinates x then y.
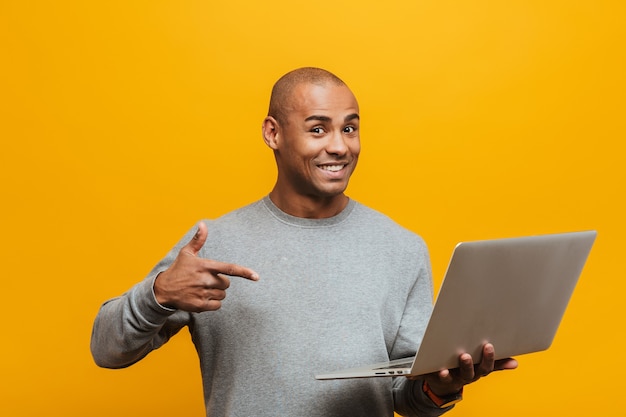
{"type": "Point", "coordinates": [332, 168]}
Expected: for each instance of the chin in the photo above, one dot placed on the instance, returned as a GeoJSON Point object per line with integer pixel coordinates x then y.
{"type": "Point", "coordinates": [329, 192]}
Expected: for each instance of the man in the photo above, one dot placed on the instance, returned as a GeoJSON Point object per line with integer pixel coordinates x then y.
{"type": "Point", "coordinates": [338, 284]}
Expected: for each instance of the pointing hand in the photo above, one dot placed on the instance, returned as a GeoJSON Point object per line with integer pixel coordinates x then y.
{"type": "Point", "coordinates": [196, 284]}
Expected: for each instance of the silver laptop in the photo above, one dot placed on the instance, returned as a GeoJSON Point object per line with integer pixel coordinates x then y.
{"type": "Point", "coordinates": [508, 292]}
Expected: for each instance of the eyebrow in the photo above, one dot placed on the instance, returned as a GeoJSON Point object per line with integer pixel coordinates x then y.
{"type": "Point", "coordinates": [348, 118]}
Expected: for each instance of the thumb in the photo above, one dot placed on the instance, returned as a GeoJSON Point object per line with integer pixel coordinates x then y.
{"type": "Point", "coordinates": [197, 242]}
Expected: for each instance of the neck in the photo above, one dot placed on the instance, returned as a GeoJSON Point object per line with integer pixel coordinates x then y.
{"type": "Point", "coordinates": [309, 207]}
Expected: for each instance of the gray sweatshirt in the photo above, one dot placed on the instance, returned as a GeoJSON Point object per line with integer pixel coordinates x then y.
{"type": "Point", "coordinates": [334, 293]}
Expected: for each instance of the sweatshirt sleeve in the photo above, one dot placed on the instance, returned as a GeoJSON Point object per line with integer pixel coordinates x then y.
{"type": "Point", "coordinates": [129, 327]}
{"type": "Point", "coordinates": [409, 399]}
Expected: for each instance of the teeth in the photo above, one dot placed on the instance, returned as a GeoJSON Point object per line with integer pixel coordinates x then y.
{"type": "Point", "coordinates": [333, 168]}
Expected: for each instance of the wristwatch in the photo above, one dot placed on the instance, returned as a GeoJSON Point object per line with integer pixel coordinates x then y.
{"type": "Point", "coordinates": [442, 402]}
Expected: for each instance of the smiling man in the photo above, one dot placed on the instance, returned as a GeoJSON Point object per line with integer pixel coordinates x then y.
{"type": "Point", "coordinates": [339, 284]}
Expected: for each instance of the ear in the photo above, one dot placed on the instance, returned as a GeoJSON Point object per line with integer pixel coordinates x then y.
{"type": "Point", "coordinates": [270, 132]}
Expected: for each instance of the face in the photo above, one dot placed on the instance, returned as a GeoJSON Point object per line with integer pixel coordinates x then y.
{"type": "Point", "coordinates": [317, 147]}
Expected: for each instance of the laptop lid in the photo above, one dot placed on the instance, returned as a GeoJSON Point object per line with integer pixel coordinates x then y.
{"type": "Point", "coordinates": [509, 292]}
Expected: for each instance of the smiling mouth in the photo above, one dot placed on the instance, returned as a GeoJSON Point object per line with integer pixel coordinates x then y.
{"type": "Point", "coordinates": [332, 168]}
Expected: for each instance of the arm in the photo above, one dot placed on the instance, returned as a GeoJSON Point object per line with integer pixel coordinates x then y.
{"type": "Point", "coordinates": [127, 328]}
{"type": "Point", "coordinates": [409, 398]}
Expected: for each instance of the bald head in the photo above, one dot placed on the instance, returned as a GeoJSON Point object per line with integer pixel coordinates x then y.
{"type": "Point", "coordinates": [281, 100]}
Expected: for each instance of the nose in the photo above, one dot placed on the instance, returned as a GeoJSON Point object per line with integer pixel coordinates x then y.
{"type": "Point", "coordinates": [336, 144]}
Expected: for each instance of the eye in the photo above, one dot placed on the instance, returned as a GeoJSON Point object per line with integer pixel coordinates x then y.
{"type": "Point", "coordinates": [318, 130]}
{"type": "Point", "coordinates": [349, 129]}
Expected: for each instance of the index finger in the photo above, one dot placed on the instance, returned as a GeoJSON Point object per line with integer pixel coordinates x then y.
{"type": "Point", "coordinates": [232, 270]}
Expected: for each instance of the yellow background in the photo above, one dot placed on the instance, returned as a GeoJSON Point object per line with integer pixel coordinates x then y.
{"type": "Point", "coordinates": [124, 122]}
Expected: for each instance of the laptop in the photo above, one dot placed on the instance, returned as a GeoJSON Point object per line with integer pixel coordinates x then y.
{"type": "Point", "coordinates": [509, 292]}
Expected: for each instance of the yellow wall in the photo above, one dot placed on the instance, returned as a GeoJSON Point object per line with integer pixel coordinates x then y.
{"type": "Point", "coordinates": [124, 122]}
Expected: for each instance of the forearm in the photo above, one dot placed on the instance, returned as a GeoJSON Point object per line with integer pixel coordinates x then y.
{"type": "Point", "coordinates": [129, 327]}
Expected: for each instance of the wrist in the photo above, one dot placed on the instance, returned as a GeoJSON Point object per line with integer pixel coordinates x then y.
{"type": "Point", "coordinates": [157, 295]}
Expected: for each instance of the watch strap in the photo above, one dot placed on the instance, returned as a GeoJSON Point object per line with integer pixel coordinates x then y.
{"type": "Point", "coordinates": [441, 402]}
